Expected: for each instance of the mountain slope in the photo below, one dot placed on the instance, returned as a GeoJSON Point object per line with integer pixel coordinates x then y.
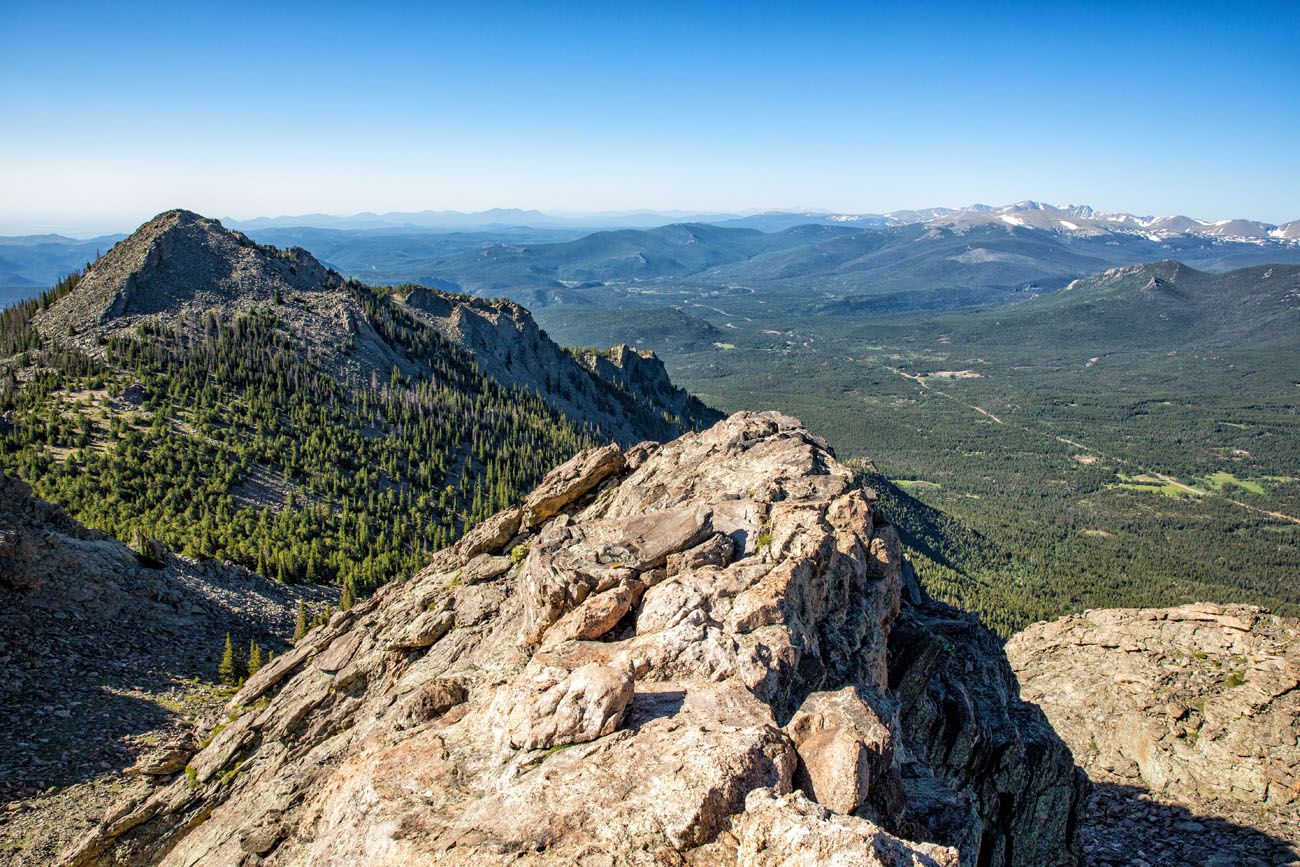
{"type": "Point", "coordinates": [900, 259]}
{"type": "Point", "coordinates": [639, 666]}
{"type": "Point", "coordinates": [626, 394]}
{"type": "Point", "coordinates": [246, 403]}
{"type": "Point", "coordinates": [1170, 304]}
{"type": "Point", "coordinates": [826, 268]}
{"type": "Point", "coordinates": [678, 250]}
{"type": "Point", "coordinates": [104, 650]}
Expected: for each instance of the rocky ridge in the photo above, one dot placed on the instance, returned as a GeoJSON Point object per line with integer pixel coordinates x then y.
{"type": "Point", "coordinates": [706, 652]}
{"type": "Point", "coordinates": [1196, 708]}
{"type": "Point", "coordinates": [626, 392]}
{"type": "Point", "coordinates": [179, 263]}
{"type": "Point", "coordinates": [181, 267]}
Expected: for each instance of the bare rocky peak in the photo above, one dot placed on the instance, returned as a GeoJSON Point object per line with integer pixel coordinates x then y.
{"type": "Point", "coordinates": [706, 652]}
{"type": "Point", "coordinates": [180, 262]}
{"type": "Point", "coordinates": [180, 267]}
{"type": "Point", "coordinates": [1199, 705]}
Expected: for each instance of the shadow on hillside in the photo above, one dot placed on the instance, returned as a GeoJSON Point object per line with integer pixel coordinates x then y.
{"type": "Point", "coordinates": [930, 531]}
{"type": "Point", "coordinates": [73, 735]}
{"type": "Point", "coordinates": [89, 685]}
{"type": "Point", "coordinates": [1123, 829]}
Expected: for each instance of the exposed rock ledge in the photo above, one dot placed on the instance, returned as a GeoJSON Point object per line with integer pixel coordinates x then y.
{"type": "Point", "coordinates": [642, 665]}
{"type": "Point", "coordinates": [1200, 705]}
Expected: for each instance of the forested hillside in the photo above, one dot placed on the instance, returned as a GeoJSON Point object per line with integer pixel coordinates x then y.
{"type": "Point", "coordinates": [242, 403]}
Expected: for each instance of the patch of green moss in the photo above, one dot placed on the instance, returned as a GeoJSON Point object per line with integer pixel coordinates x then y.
{"type": "Point", "coordinates": [212, 735]}
{"type": "Point", "coordinates": [231, 775]}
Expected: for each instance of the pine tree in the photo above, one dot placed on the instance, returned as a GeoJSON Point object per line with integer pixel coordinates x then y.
{"type": "Point", "coordinates": [345, 596]}
{"type": "Point", "coordinates": [254, 658]}
{"type": "Point", "coordinates": [232, 669]}
{"type": "Point", "coordinates": [300, 622]}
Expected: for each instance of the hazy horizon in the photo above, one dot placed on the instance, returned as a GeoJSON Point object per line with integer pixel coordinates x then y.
{"type": "Point", "coordinates": [81, 229]}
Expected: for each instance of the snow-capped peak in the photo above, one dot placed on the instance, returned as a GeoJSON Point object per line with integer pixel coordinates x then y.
{"type": "Point", "coordinates": [1086, 221]}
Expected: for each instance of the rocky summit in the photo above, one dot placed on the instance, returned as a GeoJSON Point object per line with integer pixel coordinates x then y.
{"type": "Point", "coordinates": [181, 262]}
{"type": "Point", "coordinates": [705, 652]}
{"type": "Point", "coordinates": [1188, 721]}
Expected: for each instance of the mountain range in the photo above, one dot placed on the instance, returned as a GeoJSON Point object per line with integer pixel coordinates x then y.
{"type": "Point", "coordinates": [694, 640]}
{"type": "Point", "coordinates": [1068, 218]}
{"type": "Point", "coordinates": [740, 272]}
{"type": "Point", "coordinates": [983, 253]}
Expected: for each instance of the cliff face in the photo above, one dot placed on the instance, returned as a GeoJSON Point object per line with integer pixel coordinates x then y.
{"type": "Point", "coordinates": [629, 396]}
{"type": "Point", "coordinates": [705, 652]}
{"type": "Point", "coordinates": [1199, 705]}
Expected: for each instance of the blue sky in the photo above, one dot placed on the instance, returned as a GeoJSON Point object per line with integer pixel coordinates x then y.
{"type": "Point", "coordinates": [113, 112]}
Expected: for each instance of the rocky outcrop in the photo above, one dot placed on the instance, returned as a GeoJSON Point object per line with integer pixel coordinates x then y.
{"type": "Point", "coordinates": [627, 394]}
{"type": "Point", "coordinates": [1199, 705]}
{"type": "Point", "coordinates": [706, 652]}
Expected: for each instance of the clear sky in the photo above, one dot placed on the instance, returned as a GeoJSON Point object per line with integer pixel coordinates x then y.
{"type": "Point", "coordinates": [115, 111]}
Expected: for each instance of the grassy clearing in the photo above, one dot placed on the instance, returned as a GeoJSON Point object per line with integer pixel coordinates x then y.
{"type": "Point", "coordinates": [1151, 485]}
{"type": "Point", "coordinates": [917, 485]}
{"type": "Point", "coordinates": [1221, 480]}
